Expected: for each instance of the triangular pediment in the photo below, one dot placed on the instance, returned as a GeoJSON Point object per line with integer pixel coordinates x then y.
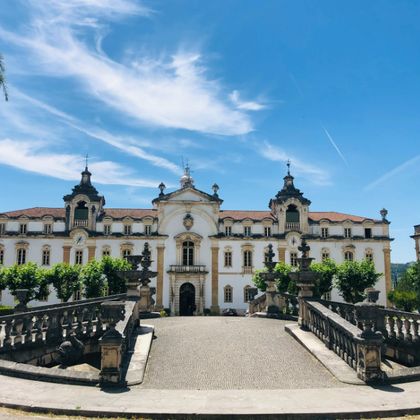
{"type": "Point", "coordinates": [189, 194]}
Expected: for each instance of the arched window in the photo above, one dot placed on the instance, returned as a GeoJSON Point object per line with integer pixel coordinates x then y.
{"type": "Point", "coordinates": [20, 256]}
{"type": "Point", "coordinates": [369, 255]}
{"type": "Point", "coordinates": [106, 251]}
{"type": "Point", "coordinates": [228, 293]}
{"type": "Point", "coordinates": [188, 253]}
{"type": "Point", "coordinates": [126, 252]}
{"type": "Point", "coordinates": [325, 254]}
{"type": "Point", "coordinates": [81, 212]}
{"type": "Point", "coordinates": [292, 214]}
{"type": "Point", "coordinates": [349, 256]}
{"type": "Point", "coordinates": [247, 296]}
{"type": "Point", "coordinates": [46, 255]}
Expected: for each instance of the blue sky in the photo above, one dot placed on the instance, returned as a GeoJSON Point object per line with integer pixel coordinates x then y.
{"type": "Point", "coordinates": [234, 87]}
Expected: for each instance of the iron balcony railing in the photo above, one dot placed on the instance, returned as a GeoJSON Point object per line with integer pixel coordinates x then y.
{"type": "Point", "coordinates": [174, 268]}
{"type": "Point", "coordinates": [81, 222]}
{"type": "Point", "coordinates": [292, 226]}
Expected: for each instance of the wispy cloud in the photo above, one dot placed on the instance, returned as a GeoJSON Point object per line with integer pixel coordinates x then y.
{"type": "Point", "coordinates": [390, 174]}
{"type": "Point", "coordinates": [310, 172]}
{"type": "Point", "coordinates": [334, 144]}
{"type": "Point", "coordinates": [33, 157]}
{"type": "Point", "coordinates": [245, 105]}
{"type": "Point", "coordinates": [174, 91]}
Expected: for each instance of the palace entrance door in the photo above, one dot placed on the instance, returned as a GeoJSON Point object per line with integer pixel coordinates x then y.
{"type": "Point", "coordinates": [187, 299]}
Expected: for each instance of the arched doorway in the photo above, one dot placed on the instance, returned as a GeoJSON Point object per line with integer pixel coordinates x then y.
{"type": "Point", "coordinates": [187, 299]}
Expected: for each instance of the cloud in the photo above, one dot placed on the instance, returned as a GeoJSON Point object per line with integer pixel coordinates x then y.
{"type": "Point", "coordinates": [312, 173]}
{"type": "Point", "coordinates": [392, 173]}
{"type": "Point", "coordinates": [173, 92]}
{"type": "Point", "coordinates": [248, 106]}
{"type": "Point", "coordinates": [126, 145]}
{"type": "Point", "coordinates": [32, 157]}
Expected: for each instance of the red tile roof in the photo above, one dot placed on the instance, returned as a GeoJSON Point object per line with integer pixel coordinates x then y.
{"type": "Point", "coordinates": [134, 213]}
{"type": "Point", "coordinates": [37, 212]}
{"type": "Point", "coordinates": [333, 216]}
{"type": "Point", "coordinates": [246, 214]}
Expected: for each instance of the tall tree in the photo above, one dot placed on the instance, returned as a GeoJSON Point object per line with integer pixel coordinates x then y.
{"type": "Point", "coordinates": [3, 78]}
{"type": "Point", "coordinates": [353, 277]}
{"type": "Point", "coordinates": [325, 270]}
{"type": "Point", "coordinates": [406, 295]}
{"type": "Point", "coordinates": [65, 278]}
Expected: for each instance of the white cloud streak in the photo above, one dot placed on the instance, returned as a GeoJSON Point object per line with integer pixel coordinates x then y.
{"type": "Point", "coordinates": [334, 144]}
{"type": "Point", "coordinates": [173, 92]}
{"type": "Point", "coordinates": [32, 157]}
{"type": "Point", "coordinates": [245, 105]}
{"type": "Point", "coordinates": [311, 173]}
{"type": "Point", "coordinates": [392, 173]}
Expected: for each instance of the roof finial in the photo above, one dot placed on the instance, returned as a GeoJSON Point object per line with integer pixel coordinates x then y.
{"type": "Point", "coordinates": [86, 158]}
{"type": "Point", "coordinates": [288, 167]}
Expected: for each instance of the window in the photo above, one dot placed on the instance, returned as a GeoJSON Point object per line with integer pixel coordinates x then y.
{"type": "Point", "coordinates": [324, 232]}
{"type": "Point", "coordinates": [23, 228]}
{"type": "Point", "coordinates": [2, 228]}
{"type": "Point", "coordinates": [228, 292]}
{"type": "Point", "coordinates": [78, 257]}
{"type": "Point", "coordinates": [47, 229]}
{"type": "Point", "coordinates": [188, 253]}
{"type": "Point", "coordinates": [247, 230]}
{"type": "Point", "coordinates": [267, 230]}
{"type": "Point", "coordinates": [148, 230]}
{"type": "Point", "coordinates": [106, 251]}
{"type": "Point", "coordinates": [228, 258]}
{"type": "Point", "coordinates": [21, 256]}
{"type": "Point", "coordinates": [126, 252]}
{"type": "Point", "coordinates": [107, 229]}
{"type": "Point", "coordinates": [1, 256]}
{"type": "Point", "coordinates": [325, 255]}
{"type": "Point", "coordinates": [46, 256]}
{"type": "Point", "coordinates": [348, 256]}
{"type": "Point", "coordinates": [127, 229]}
{"type": "Point", "coordinates": [347, 232]}
{"type": "Point", "coordinates": [369, 255]}
{"type": "Point", "coordinates": [294, 259]}
{"type": "Point", "coordinates": [368, 232]}
{"type": "Point", "coordinates": [247, 296]}
{"type": "Point", "coordinates": [228, 230]}
{"type": "Point", "coordinates": [247, 259]}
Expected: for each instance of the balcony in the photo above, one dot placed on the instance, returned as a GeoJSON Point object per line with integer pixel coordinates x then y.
{"type": "Point", "coordinates": [80, 223]}
{"type": "Point", "coordinates": [293, 226]}
{"type": "Point", "coordinates": [187, 269]}
{"type": "Point", "coordinates": [247, 270]}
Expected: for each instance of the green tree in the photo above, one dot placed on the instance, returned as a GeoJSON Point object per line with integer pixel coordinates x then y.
{"type": "Point", "coordinates": [283, 282]}
{"type": "Point", "coordinates": [353, 277]}
{"type": "Point", "coordinates": [27, 276]}
{"type": "Point", "coordinates": [110, 267]}
{"type": "Point", "coordinates": [325, 270]}
{"type": "Point", "coordinates": [406, 295]}
{"type": "Point", "coordinates": [65, 278]}
{"type": "Point", "coordinates": [3, 78]}
{"type": "Point", "coordinates": [95, 283]}
{"type": "Point", "coordinates": [3, 282]}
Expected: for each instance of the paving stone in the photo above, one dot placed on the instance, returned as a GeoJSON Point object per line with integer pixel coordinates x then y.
{"type": "Point", "coordinates": [230, 353]}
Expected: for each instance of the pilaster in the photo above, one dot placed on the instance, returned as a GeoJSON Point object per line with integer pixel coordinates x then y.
{"type": "Point", "coordinates": [66, 254]}
{"type": "Point", "coordinates": [91, 252]}
{"type": "Point", "coordinates": [387, 265]}
{"type": "Point", "coordinates": [159, 278]}
{"type": "Point", "coordinates": [282, 253]}
{"type": "Point", "coordinates": [215, 279]}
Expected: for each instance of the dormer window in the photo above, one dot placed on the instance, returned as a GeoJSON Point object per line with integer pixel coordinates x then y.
{"type": "Point", "coordinates": [2, 228]}
{"type": "Point", "coordinates": [47, 228]}
{"type": "Point", "coordinates": [23, 228]}
{"type": "Point", "coordinates": [347, 232]}
{"type": "Point", "coordinates": [228, 230]}
{"type": "Point", "coordinates": [127, 229]}
{"type": "Point", "coordinates": [368, 233]}
{"type": "Point", "coordinates": [107, 230]}
{"type": "Point", "coordinates": [147, 230]}
{"type": "Point", "coordinates": [267, 230]}
{"type": "Point", "coordinates": [324, 232]}
{"type": "Point", "coordinates": [247, 230]}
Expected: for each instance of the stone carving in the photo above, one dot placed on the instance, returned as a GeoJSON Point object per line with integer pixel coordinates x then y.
{"type": "Point", "coordinates": [188, 221]}
{"type": "Point", "coordinates": [70, 351]}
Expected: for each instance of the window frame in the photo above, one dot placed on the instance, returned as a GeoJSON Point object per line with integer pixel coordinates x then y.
{"type": "Point", "coordinates": [20, 256]}
{"type": "Point", "coordinates": [78, 257]}
{"type": "Point", "coordinates": [228, 258]}
{"type": "Point", "coordinates": [228, 294]}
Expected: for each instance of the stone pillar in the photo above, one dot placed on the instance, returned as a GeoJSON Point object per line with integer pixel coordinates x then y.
{"type": "Point", "coordinates": [145, 303]}
{"type": "Point", "coordinates": [418, 249]}
{"type": "Point", "coordinates": [66, 254]}
{"type": "Point", "coordinates": [282, 254]}
{"type": "Point", "coordinates": [215, 280]}
{"type": "Point", "coordinates": [159, 279]}
{"type": "Point", "coordinates": [387, 264]}
{"type": "Point", "coordinates": [91, 252]}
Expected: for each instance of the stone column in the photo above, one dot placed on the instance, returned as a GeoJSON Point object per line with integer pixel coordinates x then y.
{"type": "Point", "coordinates": [215, 280]}
{"type": "Point", "coordinates": [282, 253]}
{"type": "Point", "coordinates": [159, 278]}
{"type": "Point", "coordinates": [387, 264]}
{"type": "Point", "coordinates": [66, 254]}
{"type": "Point", "coordinates": [91, 252]}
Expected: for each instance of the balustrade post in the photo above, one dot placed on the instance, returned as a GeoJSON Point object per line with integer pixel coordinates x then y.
{"type": "Point", "coordinates": [369, 343]}
{"type": "Point", "coordinates": [111, 344]}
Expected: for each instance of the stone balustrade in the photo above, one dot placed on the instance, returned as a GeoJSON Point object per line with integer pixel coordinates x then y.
{"type": "Point", "coordinates": [257, 305]}
{"type": "Point", "coordinates": [360, 349]}
{"type": "Point", "coordinates": [52, 324]}
{"type": "Point", "coordinates": [345, 310]}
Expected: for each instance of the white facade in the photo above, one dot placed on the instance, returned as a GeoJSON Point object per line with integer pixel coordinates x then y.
{"type": "Point", "coordinates": [190, 237]}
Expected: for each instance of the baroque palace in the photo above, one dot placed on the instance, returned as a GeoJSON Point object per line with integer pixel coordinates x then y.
{"type": "Point", "coordinates": [204, 256]}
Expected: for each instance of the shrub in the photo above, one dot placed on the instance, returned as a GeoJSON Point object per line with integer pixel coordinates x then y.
{"type": "Point", "coordinates": [65, 278]}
